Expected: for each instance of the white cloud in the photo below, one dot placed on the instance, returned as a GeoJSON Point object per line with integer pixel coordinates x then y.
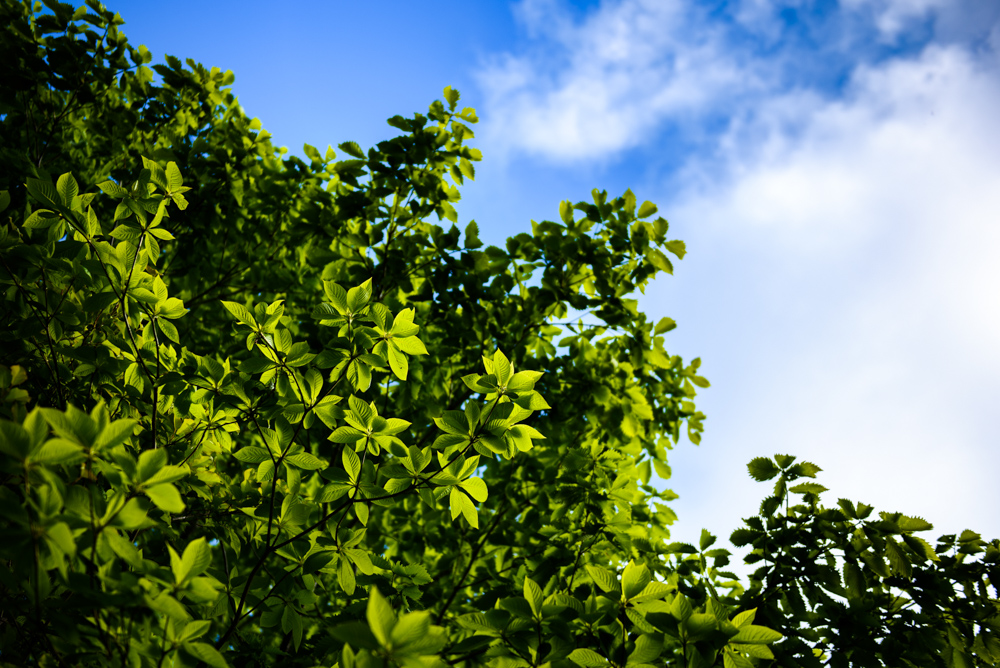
{"type": "Point", "coordinates": [901, 139]}
{"type": "Point", "coordinates": [590, 87]}
{"type": "Point", "coordinates": [893, 16]}
{"type": "Point", "coordinates": [618, 74]}
{"type": "Point", "coordinates": [876, 220]}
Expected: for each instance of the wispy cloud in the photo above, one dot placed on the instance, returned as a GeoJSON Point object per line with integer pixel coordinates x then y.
{"type": "Point", "coordinates": [902, 140]}
{"type": "Point", "coordinates": [590, 87]}
{"type": "Point", "coordinates": [949, 20]}
{"type": "Point", "coordinates": [596, 87]}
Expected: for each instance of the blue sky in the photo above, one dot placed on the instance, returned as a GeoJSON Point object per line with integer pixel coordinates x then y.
{"type": "Point", "coordinates": [833, 166]}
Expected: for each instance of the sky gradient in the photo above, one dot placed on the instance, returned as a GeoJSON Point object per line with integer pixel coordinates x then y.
{"type": "Point", "coordinates": [834, 168]}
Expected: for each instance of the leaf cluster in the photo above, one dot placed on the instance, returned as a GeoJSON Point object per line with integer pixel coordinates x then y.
{"type": "Point", "coordinates": [847, 587]}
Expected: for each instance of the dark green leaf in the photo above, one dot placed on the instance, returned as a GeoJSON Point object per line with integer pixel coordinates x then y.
{"type": "Point", "coordinates": [587, 658]}
{"type": "Point", "coordinates": [207, 653]}
{"type": "Point", "coordinates": [762, 468]}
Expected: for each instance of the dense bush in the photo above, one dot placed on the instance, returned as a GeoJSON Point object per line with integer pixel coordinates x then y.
{"type": "Point", "coordinates": [259, 409]}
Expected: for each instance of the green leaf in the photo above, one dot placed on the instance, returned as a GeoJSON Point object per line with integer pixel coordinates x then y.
{"type": "Point", "coordinates": [587, 658]}
{"type": "Point", "coordinates": [115, 434]}
{"type": "Point", "coordinates": [784, 461]}
{"type": "Point", "coordinates": [914, 524]}
{"type": "Point", "coordinates": [807, 488]}
{"type": "Point", "coordinates": [502, 367]}
{"type": "Point", "coordinates": [402, 324]}
{"type": "Point", "coordinates": [854, 579]}
{"type": "Point", "coordinates": [898, 560]}
{"type": "Point", "coordinates": [533, 594]}
{"type": "Point", "coordinates": [413, 630]}
{"type": "Point", "coordinates": [241, 312]}
{"type": "Point", "coordinates": [312, 152]}
{"type": "Point", "coordinates": [167, 474]}
{"type": "Point", "coordinates": [848, 507]}
{"type": "Point", "coordinates": [603, 579]}
{"type": "Point", "coordinates": [99, 301]}
{"type": "Point", "coordinates": [197, 557]}
{"type": "Point", "coordinates": [635, 577]}
{"type": "Point", "coordinates": [337, 296]}
{"type": "Point", "coordinates": [207, 653]}
{"type": "Point", "coordinates": [646, 210]}
{"type": "Point", "coordinates": [352, 149]}
{"type": "Point", "coordinates": [462, 505]}
{"type": "Point", "coordinates": [166, 497]}
{"type": "Point", "coordinates": [733, 660]}
{"type": "Point", "coordinates": [664, 325]}
{"type": "Point", "coordinates": [174, 180]}
{"type": "Point", "coordinates": [361, 510]}
{"type": "Point", "coordinates": [41, 219]}
{"type": "Point", "coordinates": [306, 461]}
{"type": "Point", "coordinates": [700, 382]}
{"type": "Point", "coordinates": [756, 635]}
{"type": "Point", "coordinates": [67, 187]}
{"type": "Point", "coordinates": [876, 563]}
{"type": "Point", "coordinates": [706, 541]}
{"type": "Point", "coordinates": [112, 189]}
{"type": "Point", "coordinates": [660, 261]}
{"type": "Point", "coordinates": [805, 469]}
{"type": "Point", "coordinates": [754, 651]}
{"type": "Point", "coordinates": [647, 649]}
{"type": "Point", "coordinates": [345, 576]}
{"type": "Point", "coordinates": [57, 451]}
{"type": "Point", "coordinates": [628, 202]}
{"type": "Point", "coordinates": [195, 629]}
{"type": "Point", "coordinates": [291, 622]}
{"type": "Point", "coordinates": [162, 234]}
{"type": "Point", "coordinates": [475, 383]}
{"type": "Point", "coordinates": [654, 591]}
{"type": "Point", "coordinates": [398, 363]}
{"type": "Point", "coordinates": [410, 345]}
{"type": "Point", "coordinates": [476, 488]}
{"type": "Point", "coordinates": [523, 381]}
{"type": "Point", "coordinates": [744, 618]}
{"type": "Point", "coordinates": [150, 462]}
{"type": "Point", "coordinates": [346, 435]}
{"type": "Point", "coordinates": [921, 547]}
{"type": "Point", "coordinates": [352, 464]}
{"type": "Point", "coordinates": [566, 211]}
{"type": "Point", "coordinates": [471, 230]}
{"type": "Point", "coordinates": [381, 619]}
{"type": "Point", "coordinates": [252, 454]}
{"type": "Point", "coordinates": [677, 248]}
{"type": "Point", "coordinates": [44, 193]}
{"type": "Point", "coordinates": [762, 468]}
{"type": "Point", "coordinates": [257, 365]}
{"type": "Point", "coordinates": [124, 548]}
{"type": "Point", "coordinates": [681, 608]}
{"type": "Point", "coordinates": [14, 441]}
{"type": "Point", "coordinates": [744, 536]}
{"type": "Point", "coordinates": [131, 516]}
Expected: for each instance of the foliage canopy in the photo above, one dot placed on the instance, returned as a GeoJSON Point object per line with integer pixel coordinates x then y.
{"type": "Point", "coordinates": [257, 408]}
